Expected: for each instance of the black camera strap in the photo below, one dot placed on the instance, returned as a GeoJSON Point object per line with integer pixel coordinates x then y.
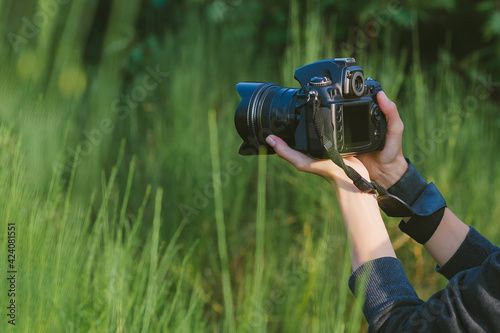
{"type": "Point", "coordinates": [390, 204]}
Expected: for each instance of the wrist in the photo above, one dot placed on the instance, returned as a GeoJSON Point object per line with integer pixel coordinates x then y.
{"type": "Point", "coordinates": [409, 186]}
{"type": "Point", "coordinates": [389, 174]}
{"type": "Point", "coordinates": [364, 226]}
{"type": "Point", "coordinates": [349, 196]}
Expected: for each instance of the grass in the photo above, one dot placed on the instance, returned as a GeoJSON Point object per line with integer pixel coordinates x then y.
{"type": "Point", "coordinates": [84, 274]}
{"type": "Point", "coordinates": [221, 227]}
{"type": "Point", "coordinates": [164, 228]}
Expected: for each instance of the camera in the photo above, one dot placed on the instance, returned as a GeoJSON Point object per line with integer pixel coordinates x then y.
{"type": "Point", "coordinates": [336, 87]}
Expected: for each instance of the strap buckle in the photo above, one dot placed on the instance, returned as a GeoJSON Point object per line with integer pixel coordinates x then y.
{"type": "Point", "coordinates": [394, 206]}
{"type": "Point", "coordinates": [364, 185]}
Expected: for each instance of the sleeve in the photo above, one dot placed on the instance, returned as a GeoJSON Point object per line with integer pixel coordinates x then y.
{"type": "Point", "coordinates": [469, 303]}
{"type": "Point", "coordinates": [409, 187]}
{"type": "Point", "coordinates": [426, 201]}
{"type": "Point", "coordinates": [472, 253]}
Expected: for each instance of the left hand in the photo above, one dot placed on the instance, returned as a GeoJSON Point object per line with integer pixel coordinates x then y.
{"type": "Point", "coordinates": [324, 168]}
{"type": "Point", "coordinates": [364, 225]}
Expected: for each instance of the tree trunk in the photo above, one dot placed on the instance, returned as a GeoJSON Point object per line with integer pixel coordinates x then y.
{"type": "Point", "coordinates": [68, 76]}
{"type": "Point", "coordinates": [119, 36]}
{"type": "Point", "coordinates": [106, 84]}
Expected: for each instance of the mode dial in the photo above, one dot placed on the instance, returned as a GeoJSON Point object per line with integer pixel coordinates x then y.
{"type": "Point", "coordinates": [320, 81]}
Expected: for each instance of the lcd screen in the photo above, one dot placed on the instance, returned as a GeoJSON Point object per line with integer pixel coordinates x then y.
{"type": "Point", "coordinates": [356, 125]}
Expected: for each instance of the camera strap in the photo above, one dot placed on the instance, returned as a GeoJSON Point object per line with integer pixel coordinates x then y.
{"type": "Point", "coordinates": [390, 204]}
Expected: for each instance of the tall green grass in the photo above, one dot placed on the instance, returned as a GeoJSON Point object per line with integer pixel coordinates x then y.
{"type": "Point", "coordinates": [79, 273]}
{"type": "Point", "coordinates": [107, 247]}
{"type": "Point", "coordinates": [221, 227]}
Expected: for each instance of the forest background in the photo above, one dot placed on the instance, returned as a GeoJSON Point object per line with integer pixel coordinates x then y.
{"type": "Point", "coordinates": [119, 169]}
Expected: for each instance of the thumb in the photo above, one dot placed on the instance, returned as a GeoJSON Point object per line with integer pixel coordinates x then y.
{"type": "Point", "coordinates": [394, 123]}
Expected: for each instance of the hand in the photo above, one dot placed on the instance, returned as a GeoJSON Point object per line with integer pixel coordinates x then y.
{"type": "Point", "coordinates": [386, 167]}
{"type": "Point", "coordinates": [364, 225]}
{"type": "Point", "coordinates": [324, 168]}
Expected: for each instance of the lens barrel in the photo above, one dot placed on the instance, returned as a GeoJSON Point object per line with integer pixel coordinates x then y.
{"type": "Point", "coordinates": [265, 108]}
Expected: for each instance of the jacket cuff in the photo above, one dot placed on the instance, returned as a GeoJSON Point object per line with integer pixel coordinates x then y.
{"type": "Point", "coordinates": [378, 284]}
{"type": "Point", "coordinates": [471, 253]}
{"type": "Point", "coordinates": [429, 210]}
{"type": "Point", "coordinates": [410, 186]}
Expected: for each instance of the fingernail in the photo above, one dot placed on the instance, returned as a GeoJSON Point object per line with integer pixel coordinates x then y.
{"type": "Point", "coordinates": [270, 141]}
{"type": "Point", "coordinates": [384, 97]}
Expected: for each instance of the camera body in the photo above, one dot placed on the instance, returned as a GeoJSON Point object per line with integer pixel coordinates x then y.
{"type": "Point", "coordinates": [338, 87]}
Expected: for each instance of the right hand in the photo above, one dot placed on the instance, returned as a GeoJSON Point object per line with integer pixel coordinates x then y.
{"type": "Point", "coordinates": [387, 166]}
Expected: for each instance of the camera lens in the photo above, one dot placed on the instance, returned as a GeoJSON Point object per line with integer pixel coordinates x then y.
{"type": "Point", "coordinates": [358, 83]}
{"type": "Point", "coordinates": [265, 108]}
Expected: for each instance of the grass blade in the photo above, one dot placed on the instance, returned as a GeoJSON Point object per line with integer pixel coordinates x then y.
{"type": "Point", "coordinates": [219, 219]}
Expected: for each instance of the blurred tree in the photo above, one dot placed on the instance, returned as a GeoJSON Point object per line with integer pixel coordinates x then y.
{"type": "Point", "coordinates": [3, 32]}
{"type": "Point", "coordinates": [117, 42]}
{"type": "Point", "coordinates": [67, 75]}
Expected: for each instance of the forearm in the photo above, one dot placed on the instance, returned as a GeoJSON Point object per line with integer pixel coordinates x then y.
{"type": "Point", "coordinates": [364, 225]}
{"type": "Point", "coordinates": [448, 232]}
{"type": "Point", "coordinates": [447, 238]}
{"type": "Point", "coordinates": [471, 253]}
{"type": "Point", "coordinates": [447, 242]}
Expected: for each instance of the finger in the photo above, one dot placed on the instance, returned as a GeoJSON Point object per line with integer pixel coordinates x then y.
{"type": "Point", "coordinates": [299, 160]}
{"type": "Point", "coordinates": [302, 162]}
{"type": "Point", "coordinates": [394, 123]}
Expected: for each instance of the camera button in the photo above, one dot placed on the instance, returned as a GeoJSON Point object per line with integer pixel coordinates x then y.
{"type": "Point", "coordinates": [376, 113]}
{"type": "Point", "coordinates": [319, 81]}
{"type": "Point", "coordinates": [376, 133]}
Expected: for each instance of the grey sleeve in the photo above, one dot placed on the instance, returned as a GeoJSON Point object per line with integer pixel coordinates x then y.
{"type": "Point", "coordinates": [469, 303]}
{"type": "Point", "coordinates": [472, 253]}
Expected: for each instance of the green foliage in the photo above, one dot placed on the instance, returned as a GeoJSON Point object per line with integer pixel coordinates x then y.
{"type": "Point", "coordinates": [78, 273]}
{"type": "Point", "coordinates": [492, 26]}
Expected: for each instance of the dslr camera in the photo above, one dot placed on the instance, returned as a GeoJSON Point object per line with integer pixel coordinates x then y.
{"type": "Point", "coordinates": [335, 86]}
